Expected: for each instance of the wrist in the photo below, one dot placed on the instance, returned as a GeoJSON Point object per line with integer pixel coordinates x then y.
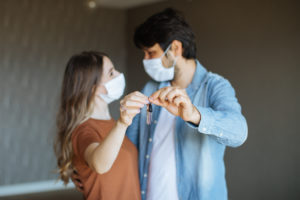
{"type": "Point", "coordinates": [196, 116]}
{"type": "Point", "coordinates": [122, 124]}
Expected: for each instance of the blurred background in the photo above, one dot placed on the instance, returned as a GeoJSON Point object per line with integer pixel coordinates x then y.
{"type": "Point", "coordinates": [255, 44]}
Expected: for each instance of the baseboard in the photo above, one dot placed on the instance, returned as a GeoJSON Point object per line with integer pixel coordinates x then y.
{"type": "Point", "coordinates": [34, 187]}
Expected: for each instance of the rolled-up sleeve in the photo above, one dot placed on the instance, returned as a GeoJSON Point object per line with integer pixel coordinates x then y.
{"type": "Point", "coordinates": [222, 118]}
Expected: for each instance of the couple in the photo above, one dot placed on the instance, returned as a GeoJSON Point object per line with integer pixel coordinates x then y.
{"type": "Point", "coordinates": [179, 155]}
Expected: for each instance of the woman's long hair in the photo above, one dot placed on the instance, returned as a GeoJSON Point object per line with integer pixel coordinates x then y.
{"type": "Point", "coordinates": [82, 75]}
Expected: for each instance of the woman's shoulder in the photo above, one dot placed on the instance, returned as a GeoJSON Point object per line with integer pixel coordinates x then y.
{"type": "Point", "coordinates": [93, 126]}
{"type": "Point", "coordinates": [84, 127]}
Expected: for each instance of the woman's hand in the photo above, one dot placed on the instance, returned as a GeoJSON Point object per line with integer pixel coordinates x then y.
{"type": "Point", "coordinates": [177, 102]}
{"type": "Point", "coordinates": [131, 105]}
{"type": "Point", "coordinates": [76, 180]}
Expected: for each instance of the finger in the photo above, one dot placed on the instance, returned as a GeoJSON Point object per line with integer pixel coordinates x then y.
{"type": "Point", "coordinates": [78, 183]}
{"type": "Point", "coordinates": [156, 102]}
{"type": "Point", "coordinates": [132, 111]}
{"type": "Point", "coordinates": [180, 101]}
{"type": "Point", "coordinates": [80, 189]}
{"type": "Point", "coordinates": [143, 100]}
{"type": "Point", "coordinates": [155, 94]}
{"type": "Point", "coordinates": [164, 93]}
{"type": "Point", "coordinates": [140, 95]}
{"type": "Point", "coordinates": [156, 99]}
{"type": "Point", "coordinates": [137, 93]}
{"type": "Point", "coordinates": [172, 94]}
{"type": "Point", "coordinates": [132, 103]}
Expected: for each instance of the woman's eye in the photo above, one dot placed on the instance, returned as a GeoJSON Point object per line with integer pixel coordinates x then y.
{"type": "Point", "coordinates": [111, 73]}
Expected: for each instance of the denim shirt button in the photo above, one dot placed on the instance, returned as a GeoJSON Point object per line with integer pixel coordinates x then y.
{"type": "Point", "coordinates": [143, 192]}
{"type": "Point", "coordinates": [147, 156]}
{"type": "Point", "coordinates": [150, 139]}
{"type": "Point", "coordinates": [155, 121]}
{"type": "Point", "coordinates": [145, 175]}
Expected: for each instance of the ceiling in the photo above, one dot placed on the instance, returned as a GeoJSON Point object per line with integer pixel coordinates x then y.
{"type": "Point", "coordinates": [124, 4]}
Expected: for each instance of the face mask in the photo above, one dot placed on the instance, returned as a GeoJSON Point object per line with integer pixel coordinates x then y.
{"type": "Point", "coordinates": [157, 71]}
{"type": "Point", "coordinates": [115, 89]}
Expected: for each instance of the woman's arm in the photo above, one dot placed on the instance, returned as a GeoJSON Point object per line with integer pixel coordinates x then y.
{"type": "Point", "coordinates": [101, 156]}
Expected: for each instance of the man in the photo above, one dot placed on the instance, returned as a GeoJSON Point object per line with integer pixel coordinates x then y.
{"type": "Point", "coordinates": [195, 116]}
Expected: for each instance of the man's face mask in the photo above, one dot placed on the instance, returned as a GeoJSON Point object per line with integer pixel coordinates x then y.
{"type": "Point", "coordinates": [157, 71]}
{"type": "Point", "coordinates": [115, 89]}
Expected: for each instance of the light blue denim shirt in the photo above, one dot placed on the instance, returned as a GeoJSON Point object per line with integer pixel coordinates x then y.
{"type": "Point", "coordinates": [199, 150]}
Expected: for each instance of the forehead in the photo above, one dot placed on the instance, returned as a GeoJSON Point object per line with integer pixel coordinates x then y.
{"type": "Point", "coordinates": [107, 64]}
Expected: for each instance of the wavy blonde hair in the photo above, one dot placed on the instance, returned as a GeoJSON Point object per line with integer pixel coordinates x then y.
{"type": "Point", "coordinates": [82, 75]}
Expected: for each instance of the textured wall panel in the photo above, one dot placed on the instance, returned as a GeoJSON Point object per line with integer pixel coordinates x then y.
{"type": "Point", "coordinates": [36, 40]}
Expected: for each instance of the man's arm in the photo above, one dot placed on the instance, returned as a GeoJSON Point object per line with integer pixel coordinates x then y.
{"type": "Point", "coordinates": [223, 118]}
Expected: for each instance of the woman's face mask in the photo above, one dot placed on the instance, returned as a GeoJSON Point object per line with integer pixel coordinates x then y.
{"type": "Point", "coordinates": [115, 89]}
{"type": "Point", "coordinates": [157, 71]}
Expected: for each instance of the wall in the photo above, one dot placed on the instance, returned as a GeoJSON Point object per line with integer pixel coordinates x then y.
{"type": "Point", "coordinates": [36, 40]}
{"type": "Point", "coordinates": [256, 45]}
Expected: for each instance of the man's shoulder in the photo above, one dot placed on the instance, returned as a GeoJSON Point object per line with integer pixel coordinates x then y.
{"type": "Point", "coordinates": [217, 83]}
{"type": "Point", "coordinates": [214, 79]}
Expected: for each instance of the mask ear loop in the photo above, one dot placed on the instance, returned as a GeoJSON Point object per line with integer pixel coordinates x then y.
{"type": "Point", "coordinates": [165, 52]}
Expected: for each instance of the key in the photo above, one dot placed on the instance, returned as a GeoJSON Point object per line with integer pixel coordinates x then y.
{"type": "Point", "coordinates": [149, 113]}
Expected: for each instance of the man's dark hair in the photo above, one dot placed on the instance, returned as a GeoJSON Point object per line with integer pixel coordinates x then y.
{"type": "Point", "coordinates": [163, 28]}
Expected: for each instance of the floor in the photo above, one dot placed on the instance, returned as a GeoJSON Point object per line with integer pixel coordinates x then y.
{"type": "Point", "coordinates": [53, 195]}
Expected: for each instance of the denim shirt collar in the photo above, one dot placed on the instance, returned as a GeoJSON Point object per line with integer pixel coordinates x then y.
{"type": "Point", "coordinates": [197, 79]}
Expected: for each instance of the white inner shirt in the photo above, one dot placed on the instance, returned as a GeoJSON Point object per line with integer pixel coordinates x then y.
{"type": "Point", "coordinates": [162, 167]}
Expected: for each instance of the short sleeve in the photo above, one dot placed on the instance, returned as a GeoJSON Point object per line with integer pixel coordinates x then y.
{"type": "Point", "coordinates": [82, 139]}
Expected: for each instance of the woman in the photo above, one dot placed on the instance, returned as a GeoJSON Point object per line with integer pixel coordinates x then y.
{"type": "Point", "coordinates": [88, 138]}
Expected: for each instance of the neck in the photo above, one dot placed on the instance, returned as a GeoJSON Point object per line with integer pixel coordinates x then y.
{"type": "Point", "coordinates": [184, 73]}
{"type": "Point", "coordinates": [101, 110]}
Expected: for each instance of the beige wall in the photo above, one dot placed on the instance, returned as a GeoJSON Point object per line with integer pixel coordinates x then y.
{"type": "Point", "coordinates": [36, 40]}
{"type": "Point", "coordinates": [256, 45]}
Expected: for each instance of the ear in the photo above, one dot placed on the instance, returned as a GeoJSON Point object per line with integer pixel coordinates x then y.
{"type": "Point", "coordinates": [176, 47]}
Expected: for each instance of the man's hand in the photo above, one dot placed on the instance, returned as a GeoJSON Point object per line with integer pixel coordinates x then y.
{"type": "Point", "coordinates": [76, 180]}
{"type": "Point", "coordinates": [177, 102]}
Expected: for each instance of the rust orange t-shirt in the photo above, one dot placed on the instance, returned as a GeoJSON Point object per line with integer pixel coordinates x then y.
{"type": "Point", "coordinates": [121, 181]}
